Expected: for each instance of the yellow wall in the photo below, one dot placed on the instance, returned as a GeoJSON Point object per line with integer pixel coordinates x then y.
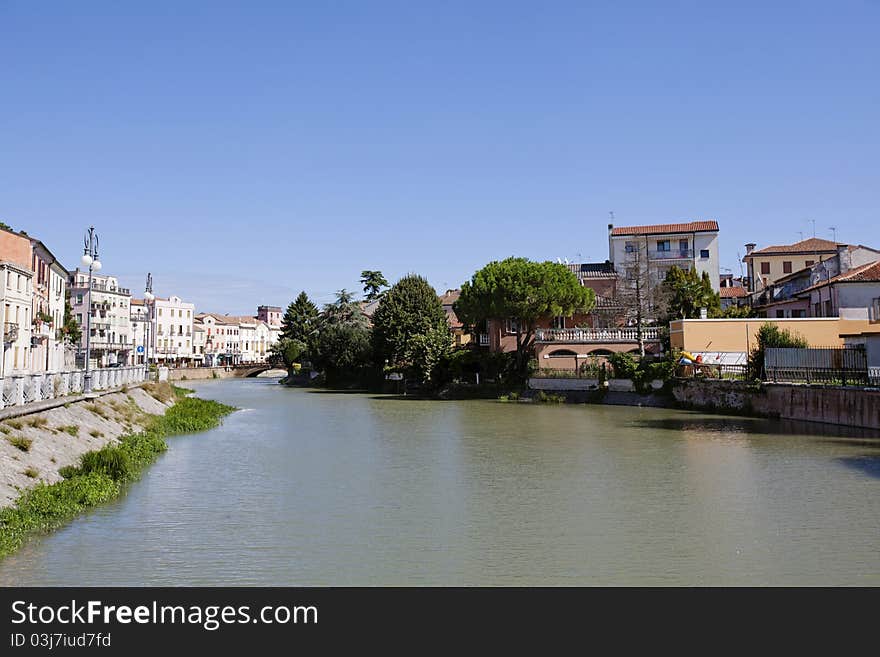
{"type": "Point", "coordinates": [738, 335]}
{"type": "Point", "coordinates": [798, 261]}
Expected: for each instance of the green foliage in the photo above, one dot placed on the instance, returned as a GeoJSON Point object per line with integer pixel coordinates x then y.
{"type": "Point", "coordinates": [300, 320]}
{"type": "Point", "coordinates": [641, 372]}
{"type": "Point", "coordinates": [525, 291]}
{"type": "Point", "coordinates": [20, 442]}
{"type": "Point", "coordinates": [343, 351]}
{"type": "Point", "coordinates": [373, 282]}
{"type": "Point", "coordinates": [70, 331]}
{"type": "Point", "coordinates": [687, 292]}
{"type": "Point", "coordinates": [33, 473]}
{"type": "Point", "coordinates": [467, 363]}
{"type": "Point", "coordinates": [737, 312]}
{"type": "Point", "coordinates": [410, 331]}
{"type": "Point", "coordinates": [289, 351]}
{"type": "Point", "coordinates": [72, 429]}
{"type": "Point", "coordinates": [37, 422]}
{"type": "Point", "coordinates": [101, 473]}
{"type": "Point", "coordinates": [771, 336]}
{"type": "Point", "coordinates": [624, 365]}
{"type": "Point", "coordinates": [94, 433]}
{"type": "Point", "coordinates": [544, 398]}
{"type": "Point", "coordinates": [15, 424]}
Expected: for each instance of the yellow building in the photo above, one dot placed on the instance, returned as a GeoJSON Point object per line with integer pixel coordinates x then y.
{"type": "Point", "coordinates": [766, 266]}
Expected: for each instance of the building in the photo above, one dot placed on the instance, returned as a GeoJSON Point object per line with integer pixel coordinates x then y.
{"type": "Point", "coordinates": [109, 306]}
{"type": "Point", "coordinates": [16, 301]}
{"type": "Point", "coordinates": [49, 293]}
{"type": "Point", "coordinates": [772, 263]}
{"type": "Point", "coordinates": [173, 328]}
{"type": "Point", "coordinates": [852, 295]}
{"type": "Point", "coordinates": [781, 297]}
{"type": "Point", "coordinates": [460, 337]}
{"type": "Point", "coordinates": [269, 314]}
{"type": "Point", "coordinates": [222, 346]}
{"type": "Point", "coordinates": [733, 295]}
{"type": "Point", "coordinates": [691, 245]}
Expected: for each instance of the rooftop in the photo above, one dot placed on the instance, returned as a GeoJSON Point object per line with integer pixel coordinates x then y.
{"type": "Point", "coordinates": [807, 246]}
{"type": "Point", "coordinates": [733, 292]}
{"type": "Point", "coordinates": [593, 269]}
{"type": "Point", "coordinates": [869, 273]}
{"type": "Point", "coordinates": [662, 229]}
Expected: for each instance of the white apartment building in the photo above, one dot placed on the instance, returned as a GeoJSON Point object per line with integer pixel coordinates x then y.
{"type": "Point", "coordinates": [49, 291]}
{"type": "Point", "coordinates": [692, 245]}
{"type": "Point", "coordinates": [173, 331]}
{"type": "Point", "coordinates": [111, 332]}
{"type": "Point", "coordinates": [222, 346]}
{"type": "Point", "coordinates": [16, 296]}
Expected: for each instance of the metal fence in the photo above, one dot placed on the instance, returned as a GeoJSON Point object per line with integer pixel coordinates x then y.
{"type": "Point", "coordinates": [838, 365]}
{"type": "Point", "coordinates": [21, 389]}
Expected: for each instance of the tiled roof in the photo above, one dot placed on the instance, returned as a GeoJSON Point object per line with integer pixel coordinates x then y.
{"type": "Point", "coordinates": [733, 292]}
{"type": "Point", "coordinates": [807, 246]}
{"type": "Point", "coordinates": [869, 273]}
{"type": "Point", "coordinates": [658, 229]}
{"type": "Point", "coordinates": [450, 297]}
{"type": "Point", "coordinates": [593, 270]}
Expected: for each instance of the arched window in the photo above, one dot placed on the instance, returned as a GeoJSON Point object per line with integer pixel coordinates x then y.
{"type": "Point", "coordinates": [562, 353]}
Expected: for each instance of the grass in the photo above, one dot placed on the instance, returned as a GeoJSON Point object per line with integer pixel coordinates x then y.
{"type": "Point", "coordinates": [33, 473]}
{"type": "Point", "coordinates": [5, 429]}
{"type": "Point", "coordinates": [15, 424]}
{"type": "Point", "coordinates": [37, 422]}
{"type": "Point", "coordinates": [160, 391]}
{"type": "Point", "coordinates": [94, 433]}
{"type": "Point", "coordinates": [20, 442]}
{"type": "Point", "coordinates": [102, 474]}
{"type": "Point", "coordinates": [97, 410]}
{"type": "Point", "coordinates": [72, 429]}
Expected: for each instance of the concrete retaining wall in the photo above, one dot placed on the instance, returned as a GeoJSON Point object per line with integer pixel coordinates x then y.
{"type": "Point", "coordinates": [562, 385]}
{"type": "Point", "coordinates": [198, 373]}
{"type": "Point", "coordinates": [853, 407]}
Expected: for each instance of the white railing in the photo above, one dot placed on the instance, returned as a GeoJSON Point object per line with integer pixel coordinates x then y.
{"type": "Point", "coordinates": [596, 335]}
{"type": "Point", "coordinates": [20, 389]}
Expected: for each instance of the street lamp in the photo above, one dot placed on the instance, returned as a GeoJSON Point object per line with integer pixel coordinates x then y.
{"type": "Point", "coordinates": [149, 300]}
{"type": "Point", "coordinates": [90, 260]}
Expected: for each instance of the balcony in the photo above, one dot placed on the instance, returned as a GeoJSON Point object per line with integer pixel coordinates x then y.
{"type": "Point", "coordinates": [10, 332]}
{"type": "Point", "coordinates": [610, 335]}
{"type": "Point", "coordinates": [484, 339]}
{"type": "Point", "coordinates": [103, 287]}
{"type": "Point", "coordinates": [678, 254]}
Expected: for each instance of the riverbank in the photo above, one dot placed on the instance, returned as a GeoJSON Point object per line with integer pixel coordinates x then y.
{"type": "Point", "coordinates": [57, 463]}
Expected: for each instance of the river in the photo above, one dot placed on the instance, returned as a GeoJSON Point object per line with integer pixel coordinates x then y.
{"type": "Point", "coordinates": [307, 487]}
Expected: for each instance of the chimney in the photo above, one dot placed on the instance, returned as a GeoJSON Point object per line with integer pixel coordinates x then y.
{"type": "Point", "coordinates": [750, 247]}
{"type": "Point", "coordinates": [844, 258]}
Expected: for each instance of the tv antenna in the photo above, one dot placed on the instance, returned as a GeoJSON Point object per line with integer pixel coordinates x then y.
{"type": "Point", "coordinates": [833, 232]}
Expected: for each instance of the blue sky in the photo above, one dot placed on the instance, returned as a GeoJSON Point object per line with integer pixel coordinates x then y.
{"type": "Point", "coordinates": [245, 151]}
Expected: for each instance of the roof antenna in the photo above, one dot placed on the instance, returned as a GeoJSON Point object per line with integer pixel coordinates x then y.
{"type": "Point", "coordinates": [801, 233]}
{"type": "Point", "coordinates": [611, 214]}
{"type": "Point", "coordinates": [834, 233]}
{"type": "Point", "coordinates": [814, 226]}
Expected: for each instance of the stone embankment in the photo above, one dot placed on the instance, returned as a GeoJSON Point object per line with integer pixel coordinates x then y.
{"type": "Point", "coordinates": [35, 444]}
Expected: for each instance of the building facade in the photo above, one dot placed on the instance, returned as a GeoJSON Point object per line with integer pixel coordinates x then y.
{"type": "Point", "coordinates": [16, 302]}
{"type": "Point", "coordinates": [109, 305]}
{"type": "Point", "coordinates": [49, 292]}
{"type": "Point", "coordinates": [173, 336]}
{"type": "Point", "coordinates": [692, 245]}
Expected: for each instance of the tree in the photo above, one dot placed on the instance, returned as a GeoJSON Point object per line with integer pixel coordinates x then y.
{"type": "Point", "coordinates": [341, 345]}
{"type": "Point", "coordinates": [300, 320]}
{"type": "Point", "coordinates": [373, 282]}
{"type": "Point", "coordinates": [638, 295]}
{"type": "Point", "coordinates": [410, 330]}
{"type": "Point", "coordinates": [687, 293]}
{"type": "Point", "coordinates": [522, 291]}
{"type": "Point", "coordinates": [70, 330]}
{"type": "Point", "coordinates": [770, 335]}
{"type": "Point", "coordinates": [290, 351]}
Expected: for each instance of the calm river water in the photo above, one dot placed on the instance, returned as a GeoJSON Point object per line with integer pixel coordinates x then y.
{"type": "Point", "coordinates": [315, 488]}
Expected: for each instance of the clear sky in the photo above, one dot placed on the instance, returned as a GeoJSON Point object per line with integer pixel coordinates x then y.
{"type": "Point", "coordinates": [245, 151]}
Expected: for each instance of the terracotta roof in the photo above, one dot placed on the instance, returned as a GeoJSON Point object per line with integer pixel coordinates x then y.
{"type": "Point", "coordinates": [593, 270]}
{"type": "Point", "coordinates": [658, 229]}
{"type": "Point", "coordinates": [807, 246]}
{"type": "Point", "coordinates": [733, 292]}
{"type": "Point", "coordinates": [450, 297]}
{"type": "Point", "coordinates": [869, 273]}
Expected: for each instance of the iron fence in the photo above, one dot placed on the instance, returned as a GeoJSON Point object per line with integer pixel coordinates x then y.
{"type": "Point", "coordinates": [835, 365]}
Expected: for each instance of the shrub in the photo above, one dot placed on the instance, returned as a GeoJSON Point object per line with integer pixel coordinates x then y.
{"type": "Point", "coordinates": [544, 398]}
{"type": "Point", "coordinates": [111, 461]}
{"type": "Point", "coordinates": [20, 442]}
{"type": "Point", "coordinates": [514, 396]}
{"type": "Point", "coordinates": [72, 429]}
{"type": "Point", "coordinates": [624, 365]}
{"type": "Point", "coordinates": [769, 336]}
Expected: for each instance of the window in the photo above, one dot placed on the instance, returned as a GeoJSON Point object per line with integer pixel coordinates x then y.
{"type": "Point", "coordinates": [780, 313]}
{"type": "Point", "coordinates": [663, 245]}
{"type": "Point", "coordinates": [511, 326]}
{"type": "Point", "coordinates": [559, 322]}
{"type": "Point", "coordinates": [630, 247]}
{"type": "Point", "coordinates": [829, 310]}
{"type": "Point", "coordinates": [765, 267]}
{"type": "Point", "coordinates": [809, 263]}
{"type": "Point", "coordinates": [875, 310]}
{"type": "Point", "coordinates": [817, 309]}
{"type": "Point", "coordinates": [786, 267]}
{"type": "Point", "coordinates": [79, 298]}
{"type": "Point", "coordinates": [704, 253]}
{"type": "Point", "coordinates": [799, 313]}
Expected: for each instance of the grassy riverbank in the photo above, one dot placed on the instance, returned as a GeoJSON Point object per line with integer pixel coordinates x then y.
{"type": "Point", "coordinates": [102, 474]}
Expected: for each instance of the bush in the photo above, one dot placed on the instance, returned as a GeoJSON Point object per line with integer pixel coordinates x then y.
{"type": "Point", "coordinates": [624, 365]}
{"type": "Point", "coordinates": [20, 442]}
{"type": "Point", "coordinates": [111, 461]}
{"type": "Point", "coordinates": [771, 336]}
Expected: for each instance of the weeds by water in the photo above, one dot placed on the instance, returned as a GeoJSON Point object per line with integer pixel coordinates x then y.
{"type": "Point", "coordinates": [101, 474]}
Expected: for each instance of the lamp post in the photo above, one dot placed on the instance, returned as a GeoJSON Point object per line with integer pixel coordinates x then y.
{"type": "Point", "coordinates": [149, 299]}
{"type": "Point", "coordinates": [89, 259]}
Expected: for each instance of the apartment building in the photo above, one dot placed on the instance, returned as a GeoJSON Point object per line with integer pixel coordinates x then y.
{"type": "Point", "coordinates": [16, 301]}
{"type": "Point", "coordinates": [49, 291]}
{"type": "Point", "coordinates": [691, 245]}
{"type": "Point", "coordinates": [172, 342]}
{"type": "Point", "coordinates": [109, 305]}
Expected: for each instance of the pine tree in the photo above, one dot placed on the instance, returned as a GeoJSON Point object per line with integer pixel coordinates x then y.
{"type": "Point", "coordinates": [300, 320]}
